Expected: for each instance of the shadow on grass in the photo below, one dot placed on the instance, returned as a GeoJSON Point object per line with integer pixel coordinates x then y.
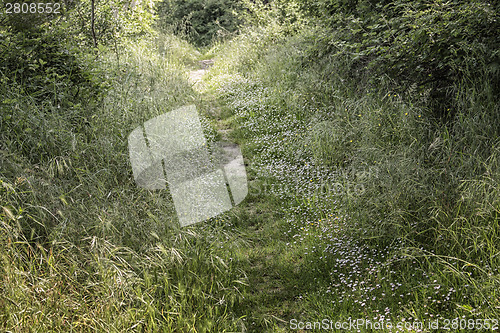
{"type": "Point", "coordinates": [278, 276]}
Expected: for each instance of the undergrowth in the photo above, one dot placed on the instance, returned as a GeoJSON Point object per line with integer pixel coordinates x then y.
{"type": "Point", "coordinates": [364, 202]}
{"type": "Point", "coordinates": [82, 248]}
{"type": "Point", "coordinates": [400, 206]}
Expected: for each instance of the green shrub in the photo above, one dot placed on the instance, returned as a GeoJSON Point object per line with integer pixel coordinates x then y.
{"type": "Point", "coordinates": [431, 45]}
{"type": "Point", "coordinates": [201, 21]}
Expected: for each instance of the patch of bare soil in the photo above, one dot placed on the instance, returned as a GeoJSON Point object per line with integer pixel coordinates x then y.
{"type": "Point", "coordinates": [196, 75]}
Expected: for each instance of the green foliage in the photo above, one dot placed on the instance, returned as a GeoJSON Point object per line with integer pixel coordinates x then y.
{"type": "Point", "coordinates": [429, 44]}
{"type": "Point", "coordinates": [438, 44]}
{"type": "Point", "coordinates": [403, 178]}
{"type": "Point", "coordinates": [81, 247]}
{"type": "Point", "coordinates": [47, 100]}
{"type": "Point", "coordinates": [114, 20]}
{"type": "Point", "coordinates": [41, 67]}
{"type": "Point", "coordinates": [48, 73]}
{"type": "Point", "coordinates": [201, 21]}
{"type": "Point", "coordinates": [361, 199]}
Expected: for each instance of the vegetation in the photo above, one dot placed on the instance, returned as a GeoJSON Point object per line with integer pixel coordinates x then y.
{"type": "Point", "coordinates": [200, 21]}
{"type": "Point", "coordinates": [370, 130]}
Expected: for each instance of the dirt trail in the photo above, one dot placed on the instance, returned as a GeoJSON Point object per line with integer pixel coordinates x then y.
{"type": "Point", "coordinates": [273, 284]}
{"type": "Point", "coordinates": [195, 78]}
{"type": "Point", "coordinates": [196, 75]}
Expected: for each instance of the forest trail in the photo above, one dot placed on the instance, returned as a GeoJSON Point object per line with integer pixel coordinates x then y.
{"type": "Point", "coordinates": [273, 287]}
{"type": "Point", "coordinates": [196, 75]}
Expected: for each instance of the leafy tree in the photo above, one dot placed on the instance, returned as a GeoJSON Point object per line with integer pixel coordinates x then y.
{"type": "Point", "coordinates": [199, 20]}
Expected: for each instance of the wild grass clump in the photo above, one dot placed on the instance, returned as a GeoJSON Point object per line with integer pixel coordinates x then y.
{"type": "Point", "coordinates": [82, 248]}
{"type": "Point", "coordinates": [333, 147]}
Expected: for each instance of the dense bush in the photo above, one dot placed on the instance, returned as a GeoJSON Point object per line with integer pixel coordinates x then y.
{"type": "Point", "coordinates": [45, 69]}
{"type": "Point", "coordinates": [199, 20]}
{"type": "Point", "coordinates": [363, 92]}
{"type": "Point", "coordinates": [50, 84]}
{"type": "Point", "coordinates": [431, 45]}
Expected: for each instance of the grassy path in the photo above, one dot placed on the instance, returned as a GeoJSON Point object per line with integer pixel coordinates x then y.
{"type": "Point", "coordinates": [299, 262]}
{"type": "Point", "coordinates": [307, 256]}
{"type": "Point", "coordinates": [276, 275]}
{"type": "Point", "coordinates": [271, 271]}
{"type": "Point", "coordinates": [83, 249]}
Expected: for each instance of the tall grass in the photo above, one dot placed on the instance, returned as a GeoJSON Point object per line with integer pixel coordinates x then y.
{"type": "Point", "coordinates": [362, 204]}
{"type": "Point", "coordinates": [375, 166]}
{"type": "Point", "coordinates": [82, 248]}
